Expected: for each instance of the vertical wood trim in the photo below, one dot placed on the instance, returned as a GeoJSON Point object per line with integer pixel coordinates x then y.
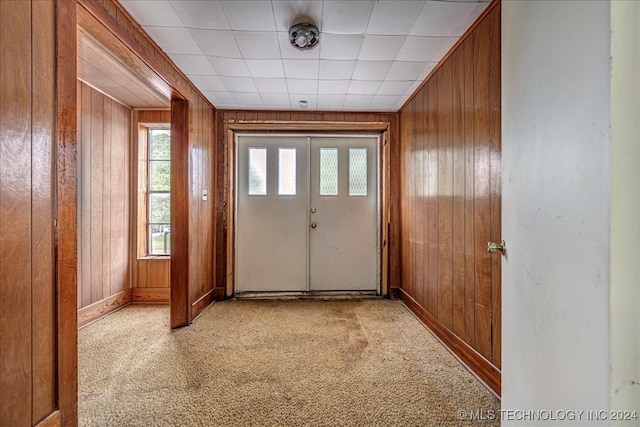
{"type": "Point", "coordinates": [66, 207]}
{"type": "Point", "coordinates": [43, 283]}
{"type": "Point", "coordinates": [180, 306]}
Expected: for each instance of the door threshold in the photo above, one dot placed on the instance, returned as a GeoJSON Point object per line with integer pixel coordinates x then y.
{"type": "Point", "coordinates": [320, 295]}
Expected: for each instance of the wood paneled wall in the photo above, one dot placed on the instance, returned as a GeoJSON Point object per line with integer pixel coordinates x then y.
{"type": "Point", "coordinates": [35, 341]}
{"type": "Point", "coordinates": [104, 202]}
{"type": "Point", "coordinates": [450, 186]}
{"type": "Point", "coordinates": [222, 174]}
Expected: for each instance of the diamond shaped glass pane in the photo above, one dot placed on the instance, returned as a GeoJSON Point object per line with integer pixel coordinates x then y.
{"type": "Point", "coordinates": [287, 171]}
{"type": "Point", "coordinates": [357, 171]}
{"type": "Point", "coordinates": [257, 171]}
{"type": "Point", "coordinates": [328, 171]}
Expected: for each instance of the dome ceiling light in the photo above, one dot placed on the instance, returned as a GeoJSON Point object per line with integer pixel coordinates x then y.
{"type": "Point", "coordinates": [304, 36]}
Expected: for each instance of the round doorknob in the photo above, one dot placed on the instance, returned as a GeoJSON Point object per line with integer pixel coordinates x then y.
{"type": "Point", "coordinates": [313, 225]}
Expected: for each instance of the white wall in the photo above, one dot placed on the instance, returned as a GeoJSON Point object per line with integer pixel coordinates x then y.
{"type": "Point", "coordinates": [625, 206]}
{"type": "Point", "coordinates": [555, 138]}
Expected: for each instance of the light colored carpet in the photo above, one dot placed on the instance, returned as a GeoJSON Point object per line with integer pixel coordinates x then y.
{"type": "Point", "coordinates": [273, 363]}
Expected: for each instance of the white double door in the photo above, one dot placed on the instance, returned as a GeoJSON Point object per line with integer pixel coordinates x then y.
{"type": "Point", "coordinates": [307, 214]}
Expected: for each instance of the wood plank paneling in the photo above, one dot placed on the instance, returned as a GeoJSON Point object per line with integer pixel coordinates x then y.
{"type": "Point", "coordinates": [37, 290]}
{"type": "Point", "coordinates": [453, 124]}
{"type": "Point", "coordinates": [15, 213]}
{"type": "Point", "coordinates": [105, 202]}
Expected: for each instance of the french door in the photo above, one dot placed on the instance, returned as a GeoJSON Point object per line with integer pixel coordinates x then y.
{"type": "Point", "coordinates": [307, 215]}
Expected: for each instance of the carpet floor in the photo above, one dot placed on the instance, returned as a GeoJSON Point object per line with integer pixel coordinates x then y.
{"type": "Point", "coordinates": [273, 363]}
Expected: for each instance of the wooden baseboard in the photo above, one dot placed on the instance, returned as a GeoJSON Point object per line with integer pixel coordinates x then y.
{"type": "Point", "coordinates": [53, 420]}
{"type": "Point", "coordinates": [151, 295]}
{"type": "Point", "coordinates": [480, 367]}
{"type": "Point", "coordinates": [203, 301]}
{"type": "Point", "coordinates": [96, 310]}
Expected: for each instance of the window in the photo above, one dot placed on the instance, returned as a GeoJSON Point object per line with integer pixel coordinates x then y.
{"type": "Point", "coordinates": [159, 192]}
{"type": "Point", "coordinates": [257, 171]}
{"type": "Point", "coordinates": [357, 171]}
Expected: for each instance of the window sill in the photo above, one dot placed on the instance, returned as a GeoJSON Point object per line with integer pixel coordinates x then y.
{"type": "Point", "coordinates": [154, 257]}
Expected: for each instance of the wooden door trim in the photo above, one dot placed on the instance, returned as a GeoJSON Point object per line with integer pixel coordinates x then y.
{"type": "Point", "coordinates": [65, 205]}
{"type": "Point", "coordinates": [381, 129]}
{"type": "Point", "coordinates": [180, 307]}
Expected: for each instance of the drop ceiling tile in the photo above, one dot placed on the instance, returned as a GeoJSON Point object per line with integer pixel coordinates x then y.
{"type": "Point", "coordinates": [157, 13]}
{"type": "Point", "coordinates": [394, 87]}
{"type": "Point", "coordinates": [336, 70]}
{"type": "Point", "coordinates": [174, 40]}
{"type": "Point", "coordinates": [270, 86]}
{"type": "Point", "coordinates": [394, 17]}
{"type": "Point", "coordinates": [288, 51]}
{"type": "Point", "coordinates": [301, 69]}
{"type": "Point", "coordinates": [401, 70]}
{"type": "Point", "coordinates": [193, 64]}
{"type": "Point", "coordinates": [201, 14]}
{"type": "Point", "coordinates": [218, 97]}
{"type": "Point", "coordinates": [371, 70]}
{"type": "Point", "coordinates": [446, 47]}
{"type": "Point", "coordinates": [212, 83]}
{"type": "Point", "coordinates": [380, 48]}
{"type": "Point", "coordinates": [422, 49]}
{"type": "Point", "coordinates": [412, 88]}
{"type": "Point", "coordinates": [346, 17]}
{"type": "Point", "coordinates": [470, 19]}
{"type": "Point", "coordinates": [246, 98]}
{"type": "Point", "coordinates": [357, 100]}
{"type": "Point", "coordinates": [333, 87]}
{"type": "Point", "coordinates": [268, 68]}
{"type": "Point", "coordinates": [358, 87]}
{"type": "Point", "coordinates": [441, 18]}
{"type": "Point", "coordinates": [289, 12]}
{"type": "Point", "coordinates": [427, 70]}
{"type": "Point", "coordinates": [216, 43]}
{"type": "Point", "coordinates": [296, 86]}
{"type": "Point", "coordinates": [340, 46]}
{"type": "Point", "coordinates": [279, 99]}
{"type": "Point", "coordinates": [239, 84]}
{"type": "Point", "coordinates": [384, 101]}
{"type": "Point", "coordinates": [331, 101]}
{"type": "Point", "coordinates": [258, 45]}
{"type": "Point", "coordinates": [229, 66]}
{"type": "Point", "coordinates": [246, 15]}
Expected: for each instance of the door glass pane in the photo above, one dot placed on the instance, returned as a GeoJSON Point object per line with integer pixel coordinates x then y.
{"type": "Point", "coordinates": [287, 171]}
{"type": "Point", "coordinates": [159, 208]}
{"type": "Point", "coordinates": [257, 171]}
{"type": "Point", "coordinates": [328, 171]}
{"type": "Point", "coordinates": [357, 171]}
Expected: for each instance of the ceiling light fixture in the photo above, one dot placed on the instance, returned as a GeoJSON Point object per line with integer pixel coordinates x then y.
{"type": "Point", "coordinates": [303, 104]}
{"type": "Point", "coordinates": [304, 36]}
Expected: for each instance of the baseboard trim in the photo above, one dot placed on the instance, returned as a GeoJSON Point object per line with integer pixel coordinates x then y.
{"type": "Point", "coordinates": [53, 420]}
{"type": "Point", "coordinates": [151, 295]}
{"type": "Point", "coordinates": [201, 303]}
{"type": "Point", "coordinates": [481, 368]}
{"type": "Point", "coordinates": [101, 308]}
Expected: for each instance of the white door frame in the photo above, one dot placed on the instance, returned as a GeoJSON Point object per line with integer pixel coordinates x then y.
{"type": "Point", "coordinates": [379, 129]}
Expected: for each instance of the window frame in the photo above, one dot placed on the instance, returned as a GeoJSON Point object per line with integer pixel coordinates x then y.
{"type": "Point", "coordinates": [150, 192]}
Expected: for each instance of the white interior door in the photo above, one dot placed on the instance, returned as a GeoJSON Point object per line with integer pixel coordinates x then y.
{"type": "Point", "coordinates": [343, 242]}
{"type": "Point", "coordinates": [307, 214]}
{"type": "Point", "coordinates": [272, 233]}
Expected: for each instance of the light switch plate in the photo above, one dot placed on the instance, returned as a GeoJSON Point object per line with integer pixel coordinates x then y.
{"type": "Point", "coordinates": [205, 195]}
